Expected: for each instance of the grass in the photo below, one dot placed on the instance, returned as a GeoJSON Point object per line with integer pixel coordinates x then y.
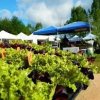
{"type": "Point", "coordinates": [97, 62]}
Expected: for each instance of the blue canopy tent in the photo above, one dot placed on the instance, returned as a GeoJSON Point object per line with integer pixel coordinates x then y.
{"type": "Point", "coordinates": [75, 27]}
{"type": "Point", "coordinates": [72, 27]}
{"type": "Point", "coordinates": [51, 30]}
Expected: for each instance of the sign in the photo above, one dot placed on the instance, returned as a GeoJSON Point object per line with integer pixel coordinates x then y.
{"type": "Point", "coordinates": [72, 49]}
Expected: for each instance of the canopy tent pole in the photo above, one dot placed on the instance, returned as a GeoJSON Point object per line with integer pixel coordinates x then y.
{"type": "Point", "coordinates": [89, 21]}
{"type": "Point", "coordinates": [58, 40]}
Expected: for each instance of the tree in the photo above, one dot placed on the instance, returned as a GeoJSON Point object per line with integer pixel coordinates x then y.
{"type": "Point", "coordinates": [95, 14]}
{"type": "Point", "coordinates": [18, 26]}
{"type": "Point", "coordinates": [95, 8]}
{"type": "Point", "coordinates": [14, 26]}
{"type": "Point", "coordinates": [38, 26]}
{"type": "Point", "coordinates": [31, 28]}
{"type": "Point", "coordinates": [78, 14]}
{"type": "Point", "coordinates": [5, 24]}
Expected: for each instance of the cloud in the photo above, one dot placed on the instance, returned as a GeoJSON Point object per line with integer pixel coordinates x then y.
{"type": "Point", "coordinates": [19, 14]}
{"type": "Point", "coordinates": [4, 13]}
{"type": "Point", "coordinates": [49, 12]}
{"type": "Point", "coordinates": [85, 4]}
{"type": "Point", "coordinates": [40, 13]}
{"type": "Point", "coordinates": [24, 4]}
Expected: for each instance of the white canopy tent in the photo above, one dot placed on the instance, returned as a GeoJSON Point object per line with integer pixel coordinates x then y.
{"type": "Point", "coordinates": [35, 38]}
{"type": "Point", "coordinates": [22, 36]}
{"type": "Point", "coordinates": [6, 35]}
{"type": "Point", "coordinates": [89, 37]}
{"type": "Point", "coordinates": [41, 37]}
{"type": "Point", "coordinates": [75, 38]}
{"type": "Point", "coordinates": [54, 38]}
{"type": "Point", "coordinates": [51, 37]}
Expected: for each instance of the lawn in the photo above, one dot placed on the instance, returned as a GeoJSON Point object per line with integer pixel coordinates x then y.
{"type": "Point", "coordinates": [97, 61]}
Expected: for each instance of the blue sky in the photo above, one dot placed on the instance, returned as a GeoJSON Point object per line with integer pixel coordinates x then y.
{"type": "Point", "coordinates": [8, 4]}
{"type": "Point", "coordinates": [49, 12]}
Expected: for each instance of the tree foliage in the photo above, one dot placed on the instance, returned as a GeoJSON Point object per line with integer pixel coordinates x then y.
{"type": "Point", "coordinates": [95, 9]}
{"type": "Point", "coordinates": [18, 26]}
{"type": "Point", "coordinates": [30, 27]}
{"type": "Point", "coordinates": [78, 14]}
{"type": "Point", "coordinates": [95, 14]}
{"type": "Point", "coordinates": [15, 26]}
{"type": "Point", "coordinates": [5, 24]}
{"type": "Point", "coordinates": [38, 26]}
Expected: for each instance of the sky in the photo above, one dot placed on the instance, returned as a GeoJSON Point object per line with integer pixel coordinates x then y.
{"type": "Point", "coordinates": [48, 12]}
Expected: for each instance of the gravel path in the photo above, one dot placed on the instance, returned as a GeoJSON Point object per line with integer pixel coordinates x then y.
{"type": "Point", "coordinates": [92, 92]}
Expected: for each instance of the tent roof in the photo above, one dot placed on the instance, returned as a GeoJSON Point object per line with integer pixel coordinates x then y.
{"type": "Point", "coordinates": [89, 36]}
{"type": "Point", "coordinates": [75, 27]}
{"type": "Point", "coordinates": [51, 30]}
{"type": "Point", "coordinates": [75, 38]}
{"type": "Point", "coordinates": [6, 35]}
{"type": "Point", "coordinates": [72, 27]}
{"type": "Point", "coordinates": [23, 36]}
{"type": "Point", "coordinates": [41, 37]}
